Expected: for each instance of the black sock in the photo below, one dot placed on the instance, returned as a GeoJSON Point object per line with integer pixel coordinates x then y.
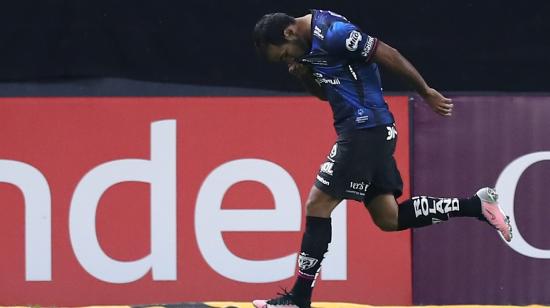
{"type": "Point", "coordinates": [315, 242]}
{"type": "Point", "coordinates": [424, 211]}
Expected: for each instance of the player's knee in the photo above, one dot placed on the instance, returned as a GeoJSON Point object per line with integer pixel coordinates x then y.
{"type": "Point", "coordinates": [320, 204]}
{"type": "Point", "coordinates": [387, 223]}
{"type": "Point", "coordinates": [317, 208]}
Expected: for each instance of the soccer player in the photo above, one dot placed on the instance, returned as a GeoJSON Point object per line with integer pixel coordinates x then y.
{"type": "Point", "coordinates": [338, 62]}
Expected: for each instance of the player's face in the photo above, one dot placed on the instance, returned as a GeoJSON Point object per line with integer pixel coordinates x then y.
{"type": "Point", "coordinates": [288, 52]}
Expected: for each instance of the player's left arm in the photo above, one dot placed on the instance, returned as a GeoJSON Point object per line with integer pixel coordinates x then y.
{"type": "Point", "coordinates": [305, 76]}
{"type": "Point", "coordinates": [392, 60]}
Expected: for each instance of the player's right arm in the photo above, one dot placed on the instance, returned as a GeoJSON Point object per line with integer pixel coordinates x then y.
{"type": "Point", "coordinates": [389, 58]}
{"type": "Point", "coordinates": [305, 75]}
{"type": "Point", "coordinates": [347, 41]}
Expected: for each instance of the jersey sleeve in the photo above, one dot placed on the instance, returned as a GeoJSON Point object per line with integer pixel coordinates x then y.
{"type": "Point", "coordinates": [346, 40]}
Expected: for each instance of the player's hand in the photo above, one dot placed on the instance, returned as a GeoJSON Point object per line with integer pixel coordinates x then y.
{"type": "Point", "coordinates": [298, 69]}
{"type": "Point", "coordinates": [439, 103]}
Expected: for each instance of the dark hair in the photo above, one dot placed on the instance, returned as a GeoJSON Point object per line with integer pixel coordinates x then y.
{"type": "Point", "coordinates": [270, 30]}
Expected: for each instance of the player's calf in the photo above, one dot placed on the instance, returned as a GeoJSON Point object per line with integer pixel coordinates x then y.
{"type": "Point", "coordinates": [424, 211]}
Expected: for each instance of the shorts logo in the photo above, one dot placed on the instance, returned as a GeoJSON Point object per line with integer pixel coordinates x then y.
{"type": "Point", "coordinates": [360, 186]}
{"type": "Point", "coordinates": [392, 132]}
{"type": "Point", "coordinates": [322, 180]}
{"type": "Point", "coordinates": [352, 42]}
{"type": "Point", "coordinates": [327, 168]}
{"type": "Point", "coordinates": [305, 262]}
{"type": "Point", "coordinates": [333, 151]}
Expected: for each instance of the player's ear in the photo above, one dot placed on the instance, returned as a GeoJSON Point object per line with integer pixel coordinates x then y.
{"type": "Point", "coordinates": [289, 33]}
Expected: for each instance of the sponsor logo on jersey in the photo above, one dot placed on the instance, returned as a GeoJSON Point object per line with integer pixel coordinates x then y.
{"type": "Point", "coordinates": [315, 61]}
{"type": "Point", "coordinates": [368, 47]}
{"type": "Point", "coordinates": [361, 119]}
{"type": "Point", "coordinates": [352, 42]}
{"type": "Point", "coordinates": [334, 81]}
{"type": "Point", "coordinates": [320, 79]}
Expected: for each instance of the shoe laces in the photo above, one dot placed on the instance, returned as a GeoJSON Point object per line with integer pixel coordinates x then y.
{"type": "Point", "coordinates": [285, 298]}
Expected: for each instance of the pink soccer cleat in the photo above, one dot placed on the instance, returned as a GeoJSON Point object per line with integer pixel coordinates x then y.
{"type": "Point", "coordinates": [260, 303]}
{"type": "Point", "coordinates": [285, 300]}
{"type": "Point", "coordinates": [493, 214]}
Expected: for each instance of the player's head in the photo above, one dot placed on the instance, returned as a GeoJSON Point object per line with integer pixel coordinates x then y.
{"type": "Point", "coordinates": [277, 38]}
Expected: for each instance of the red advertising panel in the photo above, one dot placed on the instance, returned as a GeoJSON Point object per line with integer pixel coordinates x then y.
{"type": "Point", "coordinates": [157, 200]}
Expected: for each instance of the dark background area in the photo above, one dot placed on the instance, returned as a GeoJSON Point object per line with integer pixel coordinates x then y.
{"type": "Point", "coordinates": [457, 45]}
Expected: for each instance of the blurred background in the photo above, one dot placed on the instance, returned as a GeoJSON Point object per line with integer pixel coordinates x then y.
{"type": "Point", "coordinates": [487, 45]}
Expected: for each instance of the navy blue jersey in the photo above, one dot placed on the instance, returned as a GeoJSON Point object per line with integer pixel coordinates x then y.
{"type": "Point", "coordinates": [340, 58]}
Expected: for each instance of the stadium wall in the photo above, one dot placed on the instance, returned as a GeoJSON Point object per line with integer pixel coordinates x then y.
{"type": "Point", "coordinates": [497, 141]}
{"type": "Point", "coordinates": [72, 154]}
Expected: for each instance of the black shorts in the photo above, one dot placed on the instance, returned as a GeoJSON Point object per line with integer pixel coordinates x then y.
{"type": "Point", "coordinates": [361, 166]}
